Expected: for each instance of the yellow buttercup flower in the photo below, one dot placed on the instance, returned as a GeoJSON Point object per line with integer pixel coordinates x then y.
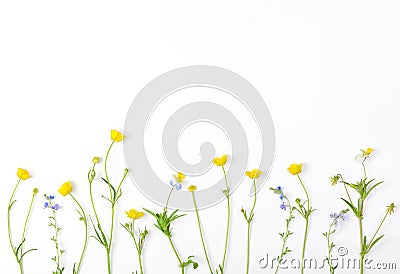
{"type": "Point", "coordinates": [179, 177]}
{"type": "Point", "coordinates": [220, 161]}
{"type": "Point", "coordinates": [23, 174]}
{"type": "Point", "coordinates": [367, 152]}
{"type": "Point", "coordinates": [116, 136]}
{"type": "Point", "coordinates": [96, 160]}
{"type": "Point", "coordinates": [295, 169]}
{"type": "Point", "coordinates": [134, 214]}
{"type": "Point", "coordinates": [192, 188]}
{"type": "Point", "coordinates": [255, 173]}
{"type": "Point", "coordinates": [65, 189]}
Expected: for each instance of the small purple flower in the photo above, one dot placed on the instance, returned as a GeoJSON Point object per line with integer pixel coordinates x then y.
{"type": "Point", "coordinates": [279, 188]}
{"type": "Point", "coordinates": [337, 217]}
{"type": "Point", "coordinates": [55, 207]}
{"type": "Point", "coordinates": [176, 185]}
{"type": "Point", "coordinates": [51, 197]}
{"type": "Point", "coordinates": [283, 206]}
{"type": "Point", "coordinates": [46, 204]}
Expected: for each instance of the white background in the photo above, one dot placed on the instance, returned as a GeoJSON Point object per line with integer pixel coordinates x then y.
{"type": "Point", "coordinates": [328, 71]}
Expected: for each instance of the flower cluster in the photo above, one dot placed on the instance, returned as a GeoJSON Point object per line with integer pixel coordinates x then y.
{"type": "Point", "coordinates": [49, 204]}
{"type": "Point", "coordinates": [338, 216]}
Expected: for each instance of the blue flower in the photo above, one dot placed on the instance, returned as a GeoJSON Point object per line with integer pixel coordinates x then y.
{"type": "Point", "coordinates": [46, 204]}
{"type": "Point", "coordinates": [283, 206]}
{"type": "Point", "coordinates": [51, 197]}
{"type": "Point", "coordinates": [338, 216]}
{"type": "Point", "coordinates": [55, 207]}
{"type": "Point", "coordinates": [175, 184]}
{"type": "Point", "coordinates": [279, 188]}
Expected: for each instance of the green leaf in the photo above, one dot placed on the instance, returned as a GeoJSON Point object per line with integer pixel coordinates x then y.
{"type": "Point", "coordinates": [352, 207]}
{"type": "Point", "coordinates": [374, 186]}
{"type": "Point", "coordinates": [374, 243]}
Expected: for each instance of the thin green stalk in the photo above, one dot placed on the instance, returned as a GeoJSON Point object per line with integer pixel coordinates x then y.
{"type": "Point", "coordinates": [105, 162]}
{"type": "Point", "coordinates": [286, 235]}
{"type": "Point", "coordinates": [108, 249]}
{"type": "Point", "coordinates": [169, 196]}
{"type": "Point", "coordinates": [113, 209]}
{"type": "Point", "coordinates": [55, 239]}
{"type": "Point", "coordinates": [228, 224]}
{"type": "Point", "coordinates": [379, 228]}
{"type": "Point", "coordinates": [249, 226]}
{"type": "Point", "coordinates": [24, 233]}
{"type": "Point", "coordinates": [201, 233]}
{"type": "Point", "coordinates": [139, 252]}
{"type": "Point", "coordinates": [108, 260]}
{"type": "Point", "coordinates": [307, 224]}
{"type": "Point", "coordinates": [361, 245]}
{"type": "Point", "coordinates": [360, 224]}
{"type": "Point", "coordinates": [86, 232]}
{"type": "Point", "coordinates": [364, 168]}
{"type": "Point", "coordinates": [348, 194]}
{"type": "Point", "coordinates": [10, 204]}
{"type": "Point", "coordinates": [304, 247]}
{"type": "Point", "coordinates": [93, 206]}
{"type": "Point", "coordinates": [176, 254]}
{"type": "Point", "coordinates": [328, 237]}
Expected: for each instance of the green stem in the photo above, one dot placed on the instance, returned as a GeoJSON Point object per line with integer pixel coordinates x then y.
{"type": "Point", "coordinates": [248, 248]}
{"type": "Point", "coordinates": [113, 210]}
{"type": "Point", "coordinates": [108, 260]}
{"type": "Point", "coordinates": [105, 162]}
{"type": "Point", "coordinates": [201, 233]}
{"type": "Point", "coordinates": [361, 246]}
{"type": "Point", "coordinates": [10, 203]}
{"type": "Point", "coordinates": [360, 224]}
{"type": "Point", "coordinates": [307, 224]}
{"type": "Point", "coordinates": [348, 194]}
{"type": "Point", "coordinates": [228, 224]}
{"type": "Point", "coordinates": [328, 237]}
{"type": "Point", "coordinates": [304, 247]}
{"type": "Point", "coordinates": [56, 231]}
{"type": "Point", "coordinates": [86, 232]}
{"type": "Point", "coordinates": [92, 201]}
{"type": "Point", "coordinates": [251, 215]}
{"type": "Point", "coordinates": [364, 169]}
{"type": "Point", "coordinates": [176, 254]}
{"type": "Point", "coordinates": [24, 233]}
{"type": "Point", "coordinates": [169, 196]}
{"type": "Point", "coordinates": [286, 235]}
{"type": "Point", "coordinates": [137, 247]}
{"type": "Point", "coordinates": [379, 228]}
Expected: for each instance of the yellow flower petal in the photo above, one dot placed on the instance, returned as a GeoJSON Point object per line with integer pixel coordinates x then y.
{"type": "Point", "coordinates": [116, 136]}
{"type": "Point", "coordinates": [254, 174]}
{"type": "Point", "coordinates": [134, 214]}
{"type": "Point", "coordinates": [220, 161]}
{"type": "Point", "coordinates": [65, 189]}
{"type": "Point", "coordinates": [192, 188]}
{"type": "Point", "coordinates": [23, 174]}
{"type": "Point", "coordinates": [96, 160]}
{"type": "Point", "coordinates": [179, 177]}
{"type": "Point", "coordinates": [295, 169]}
{"type": "Point", "coordinates": [368, 151]}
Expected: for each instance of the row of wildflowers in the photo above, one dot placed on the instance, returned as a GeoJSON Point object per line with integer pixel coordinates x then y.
{"type": "Point", "coordinates": [104, 233]}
